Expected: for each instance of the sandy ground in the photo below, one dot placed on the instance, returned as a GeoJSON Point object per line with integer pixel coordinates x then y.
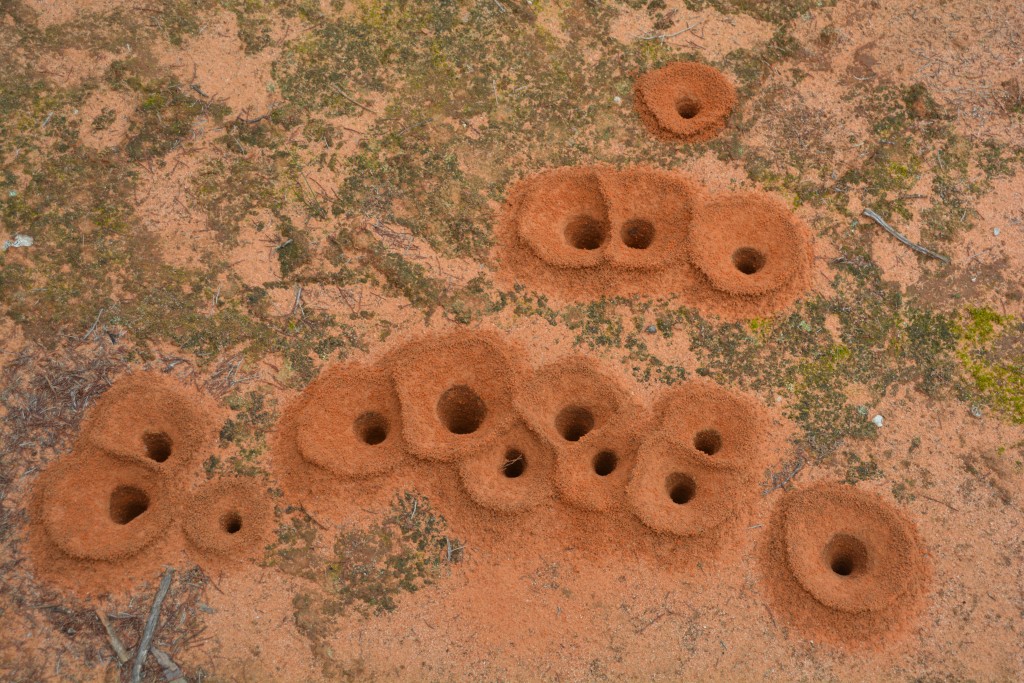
{"type": "Point", "coordinates": [335, 587]}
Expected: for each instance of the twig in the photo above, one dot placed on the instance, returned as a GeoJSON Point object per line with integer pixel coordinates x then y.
{"type": "Point", "coordinates": [895, 233]}
{"type": "Point", "coordinates": [93, 328]}
{"type": "Point", "coordinates": [361, 106]}
{"type": "Point", "coordinates": [940, 502]}
{"type": "Point", "coordinates": [115, 642]}
{"type": "Point", "coordinates": [154, 618]}
{"type": "Point", "coordinates": [172, 672]}
{"type": "Point", "coordinates": [680, 32]}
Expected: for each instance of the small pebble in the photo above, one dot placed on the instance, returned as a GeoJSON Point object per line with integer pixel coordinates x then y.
{"type": "Point", "coordinates": [877, 419]}
{"type": "Point", "coordinates": [995, 232]}
{"type": "Point", "coordinates": [651, 329]}
{"type": "Point", "coordinates": [617, 100]}
{"type": "Point", "coordinates": [976, 411]}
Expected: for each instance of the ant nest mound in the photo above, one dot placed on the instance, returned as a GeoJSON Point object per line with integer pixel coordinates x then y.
{"type": "Point", "coordinates": [112, 511]}
{"type": "Point", "coordinates": [684, 101]}
{"type": "Point", "coordinates": [581, 233]}
{"type": "Point", "coordinates": [350, 423]}
{"type": "Point", "coordinates": [518, 440]}
{"type": "Point", "coordinates": [228, 518]}
{"type": "Point", "coordinates": [843, 565]}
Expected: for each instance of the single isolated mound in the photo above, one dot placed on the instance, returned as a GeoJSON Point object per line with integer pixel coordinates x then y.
{"type": "Point", "coordinates": [843, 565]}
{"type": "Point", "coordinates": [150, 419]}
{"type": "Point", "coordinates": [229, 518]}
{"type": "Point", "coordinates": [684, 101]}
{"type": "Point", "coordinates": [351, 422]}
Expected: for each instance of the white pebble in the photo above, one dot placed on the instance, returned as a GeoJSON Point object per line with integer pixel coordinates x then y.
{"type": "Point", "coordinates": [877, 419]}
{"type": "Point", "coordinates": [995, 232]}
{"type": "Point", "coordinates": [617, 100]}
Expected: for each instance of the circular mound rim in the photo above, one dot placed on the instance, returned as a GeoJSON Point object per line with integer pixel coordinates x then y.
{"type": "Point", "coordinates": [658, 96]}
{"type": "Point", "coordinates": [728, 234]}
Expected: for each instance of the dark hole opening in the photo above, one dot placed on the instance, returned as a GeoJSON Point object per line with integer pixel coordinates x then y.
{"type": "Point", "coordinates": [371, 428]}
{"type": "Point", "coordinates": [637, 234]}
{"type": "Point", "coordinates": [461, 410]}
{"type": "Point", "coordinates": [586, 233]}
{"type": "Point", "coordinates": [681, 488]}
{"type": "Point", "coordinates": [158, 446]}
{"type": "Point", "coordinates": [605, 463]}
{"type": "Point", "coordinates": [708, 441]}
{"type": "Point", "coordinates": [515, 463]}
{"type": "Point", "coordinates": [231, 522]}
{"type": "Point", "coordinates": [688, 107]}
{"type": "Point", "coordinates": [846, 555]}
{"type": "Point", "coordinates": [127, 503]}
{"type": "Point", "coordinates": [748, 260]}
{"type": "Point", "coordinates": [574, 422]}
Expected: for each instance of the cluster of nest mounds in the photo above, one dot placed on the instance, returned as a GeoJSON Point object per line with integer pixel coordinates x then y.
{"type": "Point", "coordinates": [519, 438]}
{"type": "Point", "coordinates": [684, 101]}
{"type": "Point", "coordinates": [843, 565]}
{"type": "Point", "coordinates": [120, 504]}
{"type": "Point", "coordinates": [584, 232]}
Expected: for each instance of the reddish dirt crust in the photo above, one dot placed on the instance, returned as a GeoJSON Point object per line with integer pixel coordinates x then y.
{"type": "Point", "coordinates": [580, 233]}
{"type": "Point", "coordinates": [684, 101]}
{"type": "Point", "coordinates": [101, 519]}
{"type": "Point", "coordinates": [844, 566]}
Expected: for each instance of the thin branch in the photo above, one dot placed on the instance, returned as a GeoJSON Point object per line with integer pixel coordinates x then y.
{"type": "Point", "coordinates": [115, 642]}
{"type": "Point", "coordinates": [680, 32]}
{"type": "Point", "coordinates": [899, 236]}
{"type": "Point", "coordinates": [151, 623]}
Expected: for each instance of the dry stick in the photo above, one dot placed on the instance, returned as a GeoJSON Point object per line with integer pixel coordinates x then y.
{"type": "Point", "coordinates": [147, 633]}
{"type": "Point", "coordinates": [895, 233]}
{"type": "Point", "coordinates": [673, 35]}
{"type": "Point", "coordinates": [172, 672]}
{"type": "Point", "coordinates": [115, 642]}
{"type": "Point", "coordinates": [358, 104]}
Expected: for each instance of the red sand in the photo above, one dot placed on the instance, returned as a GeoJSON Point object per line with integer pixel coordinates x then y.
{"type": "Point", "coordinates": [684, 101]}
{"type": "Point", "coordinates": [843, 565]}
{"type": "Point", "coordinates": [580, 233]}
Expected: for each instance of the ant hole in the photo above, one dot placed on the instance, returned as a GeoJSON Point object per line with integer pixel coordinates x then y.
{"type": "Point", "coordinates": [231, 522]}
{"type": "Point", "coordinates": [637, 234]}
{"type": "Point", "coordinates": [708, 441]}
{"type": "Point", "coordinates": [127, 503]}
{"type": "Point", "coordinates": [461, 410]}
{"type": "Point", "coordinates": [748, 260]}
{"type": "Point", "coordinates": [688, 107]}
{"type": "Point", "coordinates": [586, 233]}
{"type": "Point", "coordinates": [158, 446]}
{"type": "Point", "coordinates": [574, 422]}
{"type": "Point", "coordinates": [681, 488]}
{"type": "Point", "coordinates": [515, 463]}
{"type": "Point", "coordinates": [605, 463]}
{"type": "Point", "coordinates": [371, 428]}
